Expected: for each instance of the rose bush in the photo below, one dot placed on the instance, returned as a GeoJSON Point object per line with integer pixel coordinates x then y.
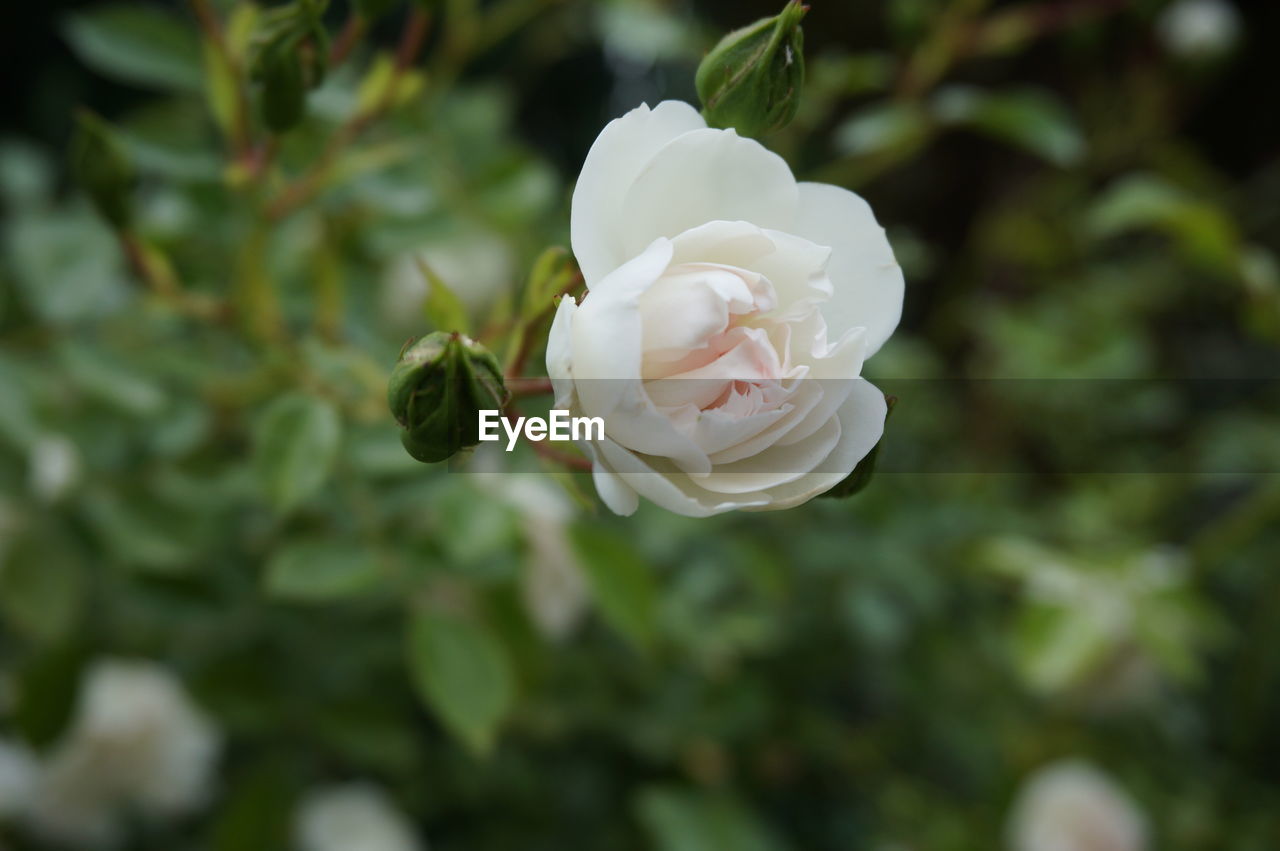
{"type": "Point", "coordinates": [728, 312]}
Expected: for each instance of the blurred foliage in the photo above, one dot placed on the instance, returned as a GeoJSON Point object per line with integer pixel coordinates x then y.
{"type": "Point", "coordinates": [196, 464]}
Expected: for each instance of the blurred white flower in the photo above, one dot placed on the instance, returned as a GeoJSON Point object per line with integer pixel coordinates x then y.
{"type": "Point", "coordinates": [1072, 806]}
{"type": "Point", "coordinates": [477, 265]}
{"type": "Point", "coordinates": [352, 817]}
{"type": "Point", "coordinates": [136, 743]}
{"type": "Point", "coordinates": [53, 467]}
{"type": "Point", "coordinates": [1199, 29]}
{"type": "Point", "coordinates": [552, 584]}
{"type": "Point", "coordinates": [1088, 629]}
{"type": "Point", "coordinates": [18, 768]}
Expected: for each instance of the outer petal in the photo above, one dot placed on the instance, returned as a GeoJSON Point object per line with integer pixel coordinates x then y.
{"type": "Point", "coordinates": [606, 361]}
{"type": "Point", "coordinates": [867, 280]}
{"type": "Point", "coordinates": [617, 157]}
{"type": "Point", "coordinates": [704, 176]}
{"type": "Point", "coordinates": [560, 352]}
{"type": "Point", "coordinates": [619, 496]}
{"type": "Point", "coordinates": [775, 466]}
{"type": "Point", "coordinates": [658, 481]}
{"type": "Point", "coordinates": [605, 331]}
{"type": "Point", "coordinates": [861, 427]}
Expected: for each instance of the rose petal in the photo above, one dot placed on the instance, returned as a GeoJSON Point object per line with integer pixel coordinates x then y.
{"type": "Point", "coordinates": [620, 497]}
{"type": "Point", "coordinates": [617, 157]}
{"type": "Point", "coordinates": [605, 331]}
{"type": "Point", "coordinates": [662, 483]}
{"type": "Point", "coordinates": [861, 427]}
{"type": "Point", "coordinates": [560, 353]}
{"type": "Point", "coordinates": [705, 175]}
{"type": "Point", "coordinates": [777, 465]}
{"type": "Point", "coordinates": [736, 243]}
{"type": "Point", "coordinates": [868, 283]}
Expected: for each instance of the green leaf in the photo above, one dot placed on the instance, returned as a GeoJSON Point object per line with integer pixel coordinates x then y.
{"type": "Point", "coordinates": [316, 571]}
{"type": "Point", "coordinates": [67, 266]}
{"type": "Point", "coordinates": [102, 377]}
{"type": "Point", "coordinates": [552, 273]}
{"type": "Point", "coordinates": [137, 44]}
{"type": "Point", "coordinates": [621, 583]}
{"type": "Point", "coordinates": [1148, 202]}
{"type": "Point", "coordinates": [680, 820]}
{"type": "Point", "coordinates": [1057, 647]}
{"type": "Point", "coordinates": [443, 309]}
{"type": "Point", "coordinates": [462, 673]}
{"type": "Point", "coordinates": [145, 533]}
{"type": "Point", "coordinates": [41, 587]}
{"type": "Point", "coordinates": [884, 128]}
{"type": "Point", "coordinates": [1029, 119]}
{"type": "Point", "coordinates": [296, 443]}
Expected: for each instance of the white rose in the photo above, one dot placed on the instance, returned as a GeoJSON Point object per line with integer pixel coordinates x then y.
{"type": "Point", "coordinates": [352, 817]}
{"type": "Point", "coordinates": [728, 313]}
{"type": "Point", "coordinates": [552, 584]}
{"type": "Point", "coordinates": [1071, 806]}
{"type": "Point", "coordinates": [18, 771]}
{"type": "Point", "coordinates": [136, 742]}
{"type": "Point", "coordinates": [1199, 29]}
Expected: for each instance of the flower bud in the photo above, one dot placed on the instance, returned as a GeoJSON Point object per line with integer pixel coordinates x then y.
{"type": "Point", "coordinates": [290, 52]}
{"type": "Point", "coordinates": [284, 97]}
{"type": "Point", "coordinates": [751, 80]}
{"type": "Point", "coordinates": [436, 391]}
{"type": "Point", "coordinates": [101, 168]}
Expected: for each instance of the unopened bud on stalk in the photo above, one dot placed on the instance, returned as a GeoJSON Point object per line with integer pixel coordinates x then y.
{"type": "Point", "coordinates": [101, 168]}
{"type": "Point", "coordinates": [437, 390]}
{"type": "Point", "coordinates": [751, 80]}
{"type": "Point", "coordinates": [290, 56]}
{"type": "Point", "coordinates": [284, 96]}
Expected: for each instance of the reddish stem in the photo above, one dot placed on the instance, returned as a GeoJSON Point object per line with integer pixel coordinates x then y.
{"type": "Point", "coordinates": [352, 31]}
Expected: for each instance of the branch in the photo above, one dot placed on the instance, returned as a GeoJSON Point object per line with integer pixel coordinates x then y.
{"type": "Point", "coordinates": [310, 184]}
{"type": "Point", "coordinates": [241, 138]}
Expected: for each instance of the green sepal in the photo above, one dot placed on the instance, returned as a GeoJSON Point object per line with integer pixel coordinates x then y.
{"type": "Point", "coordinates": [751, 80]}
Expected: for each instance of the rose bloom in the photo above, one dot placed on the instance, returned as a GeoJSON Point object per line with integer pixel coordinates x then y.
{"type": "Point", "coordinates": [1071, 806]}
{"type": "Point", "coordinates": [727, 315]}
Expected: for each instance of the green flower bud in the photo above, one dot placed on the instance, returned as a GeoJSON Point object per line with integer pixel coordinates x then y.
{"type": "Point", "coordinates": [751, 80]}
{"type": "Point", "coordinates": [284, 97]}
{"type": "Point", "coordinates": [290, 51]}
{"type": "Point", "coordinates": [101, 169]}
{"type": "Point", "coordinates": [437, 390]}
